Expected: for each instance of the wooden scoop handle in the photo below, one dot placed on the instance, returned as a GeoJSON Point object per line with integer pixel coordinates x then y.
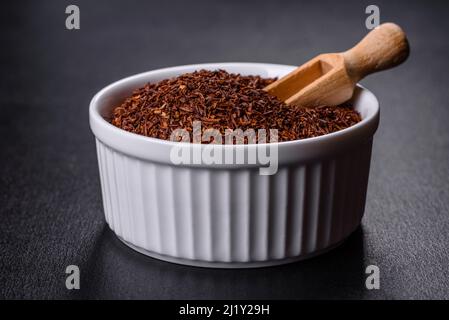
{"type": "Point", "coordinates": [384, 47]}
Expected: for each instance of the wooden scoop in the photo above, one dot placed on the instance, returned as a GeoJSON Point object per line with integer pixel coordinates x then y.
{"type": "Point", "coordinates": [329, 79]}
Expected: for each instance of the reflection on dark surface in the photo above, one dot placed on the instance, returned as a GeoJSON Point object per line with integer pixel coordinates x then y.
{"type": "Point", "coordinates": [116, 271]}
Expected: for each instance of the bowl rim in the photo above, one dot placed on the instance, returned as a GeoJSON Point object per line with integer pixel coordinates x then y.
{"type": "Point", "coordinates": [96, 119]}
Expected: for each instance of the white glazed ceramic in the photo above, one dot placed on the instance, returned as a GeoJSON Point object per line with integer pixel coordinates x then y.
{"type": "Point", "coordinates": [229, 215]}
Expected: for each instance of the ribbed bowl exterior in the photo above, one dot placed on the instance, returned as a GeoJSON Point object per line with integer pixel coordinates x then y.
{"type": "Point", "coordinates": [234, 216]}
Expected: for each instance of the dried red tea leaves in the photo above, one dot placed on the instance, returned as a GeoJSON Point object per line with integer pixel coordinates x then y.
{"type": "Point", "coordinates": [221, 100]}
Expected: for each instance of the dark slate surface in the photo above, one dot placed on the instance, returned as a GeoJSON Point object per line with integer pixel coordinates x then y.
{"type": "Point", "coordinates": [50, 202]}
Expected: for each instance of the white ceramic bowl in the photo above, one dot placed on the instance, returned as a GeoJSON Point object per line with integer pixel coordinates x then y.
{"type": "Point", "coordinates": [228, 215]}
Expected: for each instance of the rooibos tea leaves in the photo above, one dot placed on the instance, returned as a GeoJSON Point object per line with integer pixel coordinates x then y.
{"type": "Point", "coordinates": [221, 100]}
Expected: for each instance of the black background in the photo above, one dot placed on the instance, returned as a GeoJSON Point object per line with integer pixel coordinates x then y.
{"type": "Point", "coordinates": [50, 203]}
